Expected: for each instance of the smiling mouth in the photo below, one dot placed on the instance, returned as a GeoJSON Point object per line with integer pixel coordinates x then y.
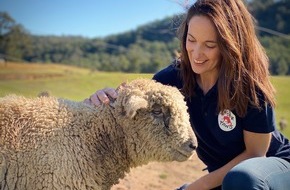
{"type": "Point", "coordinates": [198, 61]}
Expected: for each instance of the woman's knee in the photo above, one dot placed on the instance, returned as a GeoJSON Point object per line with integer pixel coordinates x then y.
{"type": "Point", "coordinates": [242, 177]}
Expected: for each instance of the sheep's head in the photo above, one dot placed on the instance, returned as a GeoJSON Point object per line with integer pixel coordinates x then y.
{"type": "Point", "coordinates": [155, 119]}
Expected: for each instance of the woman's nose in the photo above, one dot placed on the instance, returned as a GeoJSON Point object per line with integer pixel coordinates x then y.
{"type": "Point", "coordinates": [197, 51]}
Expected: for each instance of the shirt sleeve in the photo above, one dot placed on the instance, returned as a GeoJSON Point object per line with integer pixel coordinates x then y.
{"type": "Point", "coordinates": [260, 120]}
{"type": "Point", "coordinates": [169, 76]}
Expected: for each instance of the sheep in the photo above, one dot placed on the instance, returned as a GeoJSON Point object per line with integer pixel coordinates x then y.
{"type": "Point", "coordinates": [55, 143]}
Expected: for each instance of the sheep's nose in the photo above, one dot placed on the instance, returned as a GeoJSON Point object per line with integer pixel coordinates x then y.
{"type": "Point", "coordinates": [192, 146]}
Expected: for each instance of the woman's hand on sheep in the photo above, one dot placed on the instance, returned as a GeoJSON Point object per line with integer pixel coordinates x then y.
{"type": "Point", "coordinates": [102, 96]}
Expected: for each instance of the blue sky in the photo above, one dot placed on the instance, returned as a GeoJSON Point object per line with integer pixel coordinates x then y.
{"type": "Point", "coordinates": [88, 18]}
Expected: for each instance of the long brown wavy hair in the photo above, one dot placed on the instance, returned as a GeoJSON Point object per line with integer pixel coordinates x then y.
{"type": "Point", "coordinates": [244, 74]}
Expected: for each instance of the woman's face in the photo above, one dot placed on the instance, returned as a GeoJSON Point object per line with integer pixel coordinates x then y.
{"type": "Point", "coordinates": [202, 47]}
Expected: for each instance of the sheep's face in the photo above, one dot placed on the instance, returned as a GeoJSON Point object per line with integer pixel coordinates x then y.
{"type": "Point", "coordinates": [156, 121]}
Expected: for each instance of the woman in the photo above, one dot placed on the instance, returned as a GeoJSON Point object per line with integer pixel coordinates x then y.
{"type": "Point", "coordinates": [223, 73]}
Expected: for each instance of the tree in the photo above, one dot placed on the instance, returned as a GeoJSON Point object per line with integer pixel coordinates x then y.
{"type": "Point", "coordinates": [17, 44]}
{"type": "Point", "coordinates": [14, 40]}
{"type": "Point", "coordinates": [271, 14]}
{"type": "Point", "coordinates": [6, 23]}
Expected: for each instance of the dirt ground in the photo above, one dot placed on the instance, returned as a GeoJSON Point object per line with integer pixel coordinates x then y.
{"type": "Point", "coordinates": [162, 176]}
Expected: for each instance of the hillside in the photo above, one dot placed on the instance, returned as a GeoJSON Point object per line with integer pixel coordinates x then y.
{"type": "Point", "coordinates": [145, 50]}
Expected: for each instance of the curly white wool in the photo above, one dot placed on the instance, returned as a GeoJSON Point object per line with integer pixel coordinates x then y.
{"type": "Point", "coordinates": [50, 143]}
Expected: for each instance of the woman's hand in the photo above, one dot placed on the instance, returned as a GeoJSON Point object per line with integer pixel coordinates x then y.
{"type": "Point", "coordinates": [102, 96]}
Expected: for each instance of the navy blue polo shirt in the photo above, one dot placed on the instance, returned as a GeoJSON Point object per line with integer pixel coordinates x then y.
{"type": "Point", "coordinates": [220, 135]}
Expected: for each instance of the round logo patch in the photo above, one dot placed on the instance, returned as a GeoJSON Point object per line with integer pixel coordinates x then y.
{"type": "Point", "coordinates": [227, 120]}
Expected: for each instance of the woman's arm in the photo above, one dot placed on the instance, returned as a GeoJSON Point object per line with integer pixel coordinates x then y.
{"type": "Point", "coordinates": [256, 144]}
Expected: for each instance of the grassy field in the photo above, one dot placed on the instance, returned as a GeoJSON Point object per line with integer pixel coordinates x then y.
{"type": "Point", "coordinates": [61, 81]}
{"type": "Point", "coordinates": [77, 84]}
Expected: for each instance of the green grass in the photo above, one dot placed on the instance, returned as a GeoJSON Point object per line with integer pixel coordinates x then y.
{"type": "Point", "coordinates": [78, 84]}
{"type": "Point", "coordinates": [282, 85]}
{"type": "Point", "coordinates": [61, 81]}
{"type": "Point", "coordinates": [163, 176]}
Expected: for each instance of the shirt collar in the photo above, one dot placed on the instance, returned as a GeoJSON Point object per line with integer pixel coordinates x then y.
{"type": "Point", "coordinates": [211, 93]}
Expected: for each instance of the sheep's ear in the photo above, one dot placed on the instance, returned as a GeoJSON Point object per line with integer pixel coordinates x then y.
{"type": "Point", "coordinates": [122, 86]}
{"type": "Point", "coordinates": [134, 104]}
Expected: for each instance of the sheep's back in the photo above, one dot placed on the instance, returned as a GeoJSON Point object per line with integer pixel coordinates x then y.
{"type": "Point", "coordinates": [25, 121]}
{"type": "Point", "coordinates": [37, 145]}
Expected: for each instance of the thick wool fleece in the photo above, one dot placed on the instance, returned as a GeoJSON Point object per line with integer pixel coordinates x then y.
{"type": "Point", "coordinates": [50, 143]}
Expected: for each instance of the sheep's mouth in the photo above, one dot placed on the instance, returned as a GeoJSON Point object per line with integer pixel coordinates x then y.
{"type": "Point", "coordinates": [182, 155]}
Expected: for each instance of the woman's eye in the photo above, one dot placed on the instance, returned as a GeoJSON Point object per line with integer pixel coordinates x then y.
{"type": "Point", "coordinates": [190, 40]}
{"type": "Point", "coordinates": [210, 45]}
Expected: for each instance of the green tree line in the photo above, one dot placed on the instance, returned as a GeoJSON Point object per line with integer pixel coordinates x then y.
{"type": "Point", "coordinates": [145, 50]}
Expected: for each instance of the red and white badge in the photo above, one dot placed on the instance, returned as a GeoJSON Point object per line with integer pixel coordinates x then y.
{"type": "Point", "coordinates": [227, 120]}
